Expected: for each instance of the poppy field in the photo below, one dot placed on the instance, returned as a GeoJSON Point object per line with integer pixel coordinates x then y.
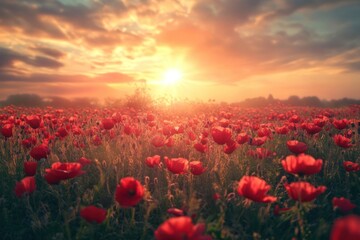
{"type": "Point", "coordinates": [207, 171]}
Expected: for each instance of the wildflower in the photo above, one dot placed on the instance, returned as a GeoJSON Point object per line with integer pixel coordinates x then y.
{"type": "Point", "coordinates": [351, 166]}
{"type": "Point", "coordinates": [177, 165]}
{"type": "Point", "coordinates": [221, 135]}
{"type": "Point", "coordinates": [302, 164]}
{"type": "Point", "coordinates": [107, 123]}
{"type": "Point", "coordinates": [179, 228]}
{"type": "Point", "coordinates": [153, 161]}
{"type": "Point", "coordinates": [26, 185]}
{"type": "Point", "coordinates": [62, 171]}
{"type": "Point", "coordinates": [255, 189]}
{"type": "Point", "coordinates": [303, 191]}
{"type": "Point", "coordinates": [93, 214]}
{"type": "Point", "coordinates": [7, 130]}
{"type": "Point", "coordinates": [296, 147]}
{"type": "Point", "coordinates": [197, 168]}
{"type": "Point", "coordinates": [129, 192]}
{"type": "Point", "coordinates": [343, 204]}
{"type": "Point", "coordinates": [342, 141]}
{"type": "Point", "coordinates": [39, 152]}
{"type": "Point", "coordinates": [346, 228]}
{"type": "Point", "coordinates": [30, 168]}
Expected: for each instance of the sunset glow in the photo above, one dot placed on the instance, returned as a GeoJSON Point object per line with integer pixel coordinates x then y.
{"type": "Point", "coordinates": [228, 50]}
{"type": "Point", "coordinates": [172, 76]}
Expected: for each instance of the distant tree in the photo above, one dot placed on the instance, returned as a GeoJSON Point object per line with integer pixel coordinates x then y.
{"type": "Point", "coordinates": [24, 100]}
{"type": "Point", "coordinates": [293, 101]}
{"type": "Point", "coordinates": [311, 101]}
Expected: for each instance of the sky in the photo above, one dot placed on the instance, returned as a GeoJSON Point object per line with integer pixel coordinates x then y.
{"type": "Point", "coordinates": [227, 50]}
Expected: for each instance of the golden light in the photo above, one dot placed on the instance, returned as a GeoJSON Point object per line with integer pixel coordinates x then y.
{"type": "Point", "coordinates": [172, 76]}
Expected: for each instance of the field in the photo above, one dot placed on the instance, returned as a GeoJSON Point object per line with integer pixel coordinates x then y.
{"type": "Point", "coordinates": [207, 171]}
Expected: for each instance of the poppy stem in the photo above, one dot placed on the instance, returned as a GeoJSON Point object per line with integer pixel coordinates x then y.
{"type": "Point", "coordinates": [132, 221]}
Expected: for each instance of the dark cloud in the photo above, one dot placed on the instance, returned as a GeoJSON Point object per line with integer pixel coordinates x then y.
{"type": "Point", "coordinates": [9, 57]}
{"type": "Point", "coordinates": [287, 7]}
{"type": "Point", "coordinates": [49, 52]}
{"type": "Point", "coordinates": [228, 13]}
{"type": "Point", "coordinates": [73, 23]}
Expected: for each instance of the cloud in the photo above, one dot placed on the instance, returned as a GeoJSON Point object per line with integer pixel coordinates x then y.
{"type": "Point", "coordinates": [288, 7]}
{"type": "Point", "coordinates": [9, 57]}
{"type": "Point", "coordinates": [111, 77]}
{"type": "Point", "coordinates": [49, 52]}
{"type": "Point", "coordinates": [76, 23]}
{"type": "Point", "coordinates": [239, 50]}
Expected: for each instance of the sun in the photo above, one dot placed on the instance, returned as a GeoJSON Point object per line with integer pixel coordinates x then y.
{"type": "Point", "coordinates": [172, 76]}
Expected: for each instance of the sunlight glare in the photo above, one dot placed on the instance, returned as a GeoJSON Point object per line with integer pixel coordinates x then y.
{"type": "Point", "coordinates": [172, 76]}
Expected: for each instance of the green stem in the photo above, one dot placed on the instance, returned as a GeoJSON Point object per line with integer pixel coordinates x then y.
{"type": "Point", "coordinates": [132, 222]}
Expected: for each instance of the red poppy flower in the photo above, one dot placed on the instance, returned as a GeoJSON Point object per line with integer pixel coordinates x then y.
{"type": "Point", "coordinates": [283, 130]}
{"type": "Point", "coordinates": [28, 142]}
{"type": "Point", "coordinates": [221, 135]}
{"type": "Point", "coordinates": [264, 132]}
{"type": "Point", "coordinates": [320, 121]}
{"type": "Point", "coordinates": [84, 161]}
{"type": "Point", "coordinates": [294, 119]}
{"type": "Point", "coordinates": [255, 189]}
{"type": "Point", "coordinates": [158, 141]}
{"type": "Point", "coordinates": [129, 192]}
{"type": "Point", "coordinates": [343, 204]}
{"type": "Point", "coordinates": [177, 165]}
{"type": "Point", "coordinates": [40, 152]}
{"type": "Point", "coordinates": [34, 121]}
{"type": "Point", "coordinates": [230, 147]}
{"type": "Point", "coordinates": [258, 141]}
{"type": "Point", "coordinates": [153, 161]}
{"type": "Point", "coordinates": [26, 185]}
{"type": "Point", "coordinates": [302, 164]}
{"type": "Point", "coordinates": [216, 196]}
{"type": "Point", "coordinates": [62, 133]}
{"type": "Point", "coordinates": [296, 146]}
{"type": "Point", "coordinates": [176, 212]}
{"type": "Point", "coordinates": [346, 228]}
{"type": "Point", "coordinates": [224, 122]}
{"type": "Point", "coordinates": [312, 128]}
{"type": "Point", "coordinates": [107, 123]}
{"type": "Point", "coordinates": [170, 142]}
{"type": "Point", "coordinates": [7, 130]}
{"type": "Point", "coordinates": [179, 228]}
{"type": "Point", "coordinates": [342, 141]}
{"type": "Point", "coordinates": [303, 191]}
{"type": "Point", "coordinates": [340, 124]}
{"type": "Point", "coordinates": [351, 166]}
{"type": "Point", "coordinates": [62, 171]}
{"type": "Point", "coordinates": [242, 138]}
{"type": "Point", "coordinates": [30, 168]}
{"type": "Point", "coordinates": [200, 147]}
{"type": "Point", "coordinates": [93, 214]}
{"type": "Point", "coordinates": [197, 168]}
